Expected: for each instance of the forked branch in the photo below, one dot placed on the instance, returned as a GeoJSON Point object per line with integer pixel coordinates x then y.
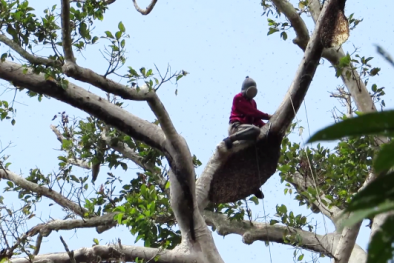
{"type": "Point", "coordinates": [147, 10]}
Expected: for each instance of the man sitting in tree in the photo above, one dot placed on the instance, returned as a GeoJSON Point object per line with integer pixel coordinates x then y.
{"type": "Point", "coordinates": [245, 118]}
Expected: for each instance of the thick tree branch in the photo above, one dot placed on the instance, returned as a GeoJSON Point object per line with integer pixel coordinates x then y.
{"type": "Point", "coordinates": [302, 34]}
{"type": "Point", "coordinates": [66, 32]}
{"type": "Point", "coordinates": [49, 193]}
{"type": "Point", "coordinates": [148, 9]}
{"type": "Point", "coordinates": [78, 97]}
{"type": "Point", "coordinates": [45, 229]}
{"type": "Point", "coordinates": [26, 55]}
{"type": "Point", "coordinates": [126, 253]}
{"type": "Point", "coordinates": [276, 233]}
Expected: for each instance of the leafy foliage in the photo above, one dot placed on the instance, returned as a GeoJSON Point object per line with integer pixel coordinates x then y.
{"type": "Point", "coordinates": [338, 173]}
{"type": "Point", "coordinates": [377, 197]}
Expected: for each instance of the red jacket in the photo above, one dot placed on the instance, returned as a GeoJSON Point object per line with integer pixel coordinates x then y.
{"type": "Point", "coordinates": [245, 111]}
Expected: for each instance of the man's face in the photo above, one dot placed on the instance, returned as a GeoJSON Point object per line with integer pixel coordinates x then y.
{"type": "Point", "coordinates": [250, 92]}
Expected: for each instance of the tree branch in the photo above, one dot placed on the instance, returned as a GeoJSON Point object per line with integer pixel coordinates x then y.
{"type": "Point", "coordinates": [77, 97]}
{"type": "Point", "coordinates": [302, 34]}
{"type": "Point", "coordinates": [129, 153]}
{"type": "Point", "coordinates": [71, 69]}
{"type": "Point", "coordinates": [147, 10]}
{"type": "Point", "coordinates": [354, 84]}
{"type": "Point", "coordinates": [26, 55]}
{"type": "Point", "coordinates": [276, 233]}
{"type": "Point", "coordinates": [363, 101]}
{"type": "Point", "coordinates": [66, 32]}
{"type": "Point", "coordinates": [176, 149]}
{"type": "Point", "coordinates": [126, 253]}
{"type": "Point", "coordinates": [49, 193]}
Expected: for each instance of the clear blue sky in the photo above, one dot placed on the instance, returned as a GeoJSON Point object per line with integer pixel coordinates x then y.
{"type": "Point", "coordinates": [219, 43]}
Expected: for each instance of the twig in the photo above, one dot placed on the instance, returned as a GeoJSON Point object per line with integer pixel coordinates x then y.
{"type": "Point", "coordinates": [4, 236]}
{"type": "Point", "coordinates": [38, 244]}
{"type": "Point", "coordinates": [70, 253]}
{"type": "Point", "coordinates": [26, 55]}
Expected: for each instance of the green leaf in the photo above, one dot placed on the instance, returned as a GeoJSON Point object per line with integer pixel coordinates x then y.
{"type": "Point", "coordinates": [95, 240]}
{"type": "Point", "coordinates": [119, 218]}
{"type": "Point", "coordinates": [118, 35]}
{"type": "Point", "coordinates": [10, 184]}
{"type": "Point", "coordinates": [283, 35]}
{"type": "Point", "coordinates": [375, 193]}
{"type": "Point", "coordinates": [362, 214]}
{"type": "Point", "coordinates": [109, 34]}
{"type": "Point", "coordinates": [254, 200]}
{"type": "Point", "coordinates": [121, 27]}
{"type": "Point", "coordinates": [367, 124]}
{"type": "Point", "coordinates": [272, 30]}
{"type": "Point", "coordinates": [179, 77]}
{"type": "Point", "coordinates": [384, 159]}
{"type": "Point", "coordinates": [83, 30]}
{"type": "Point", "coordinates": [142, 70]}
{"type": "Point", "coordinates": [381, 248]}
{"type": "Point", "coordinates": [66, 144]}
{"type": "Point", "coordinates": [345, 61]}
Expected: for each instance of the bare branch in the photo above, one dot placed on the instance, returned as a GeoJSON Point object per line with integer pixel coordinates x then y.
{"type": "Point", "coordinates": [147, 10]}
{"type": "Point", "coordinates": [276, 233]}
{"type": "Point", "coordinates": [59, 135]}
{"type": "Point", "coordinates": [66, 32]}
{"type": "Point", "coordinates": [78, 97]}
{"type": "Point", "coordinates": [45, 229]}
{"type": "Point", "coordinates": [26, 55]}
{"type": "Point", "coordinates": [69, 253]}
{"type": "Point", "coordinates": [110, 252]}
{"type": "Point", "coordinates": [49, 193]}
{"type": "Point", "coordinates": [38, 244]}
{"type": "Point", "coordinates": [107, 85]}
